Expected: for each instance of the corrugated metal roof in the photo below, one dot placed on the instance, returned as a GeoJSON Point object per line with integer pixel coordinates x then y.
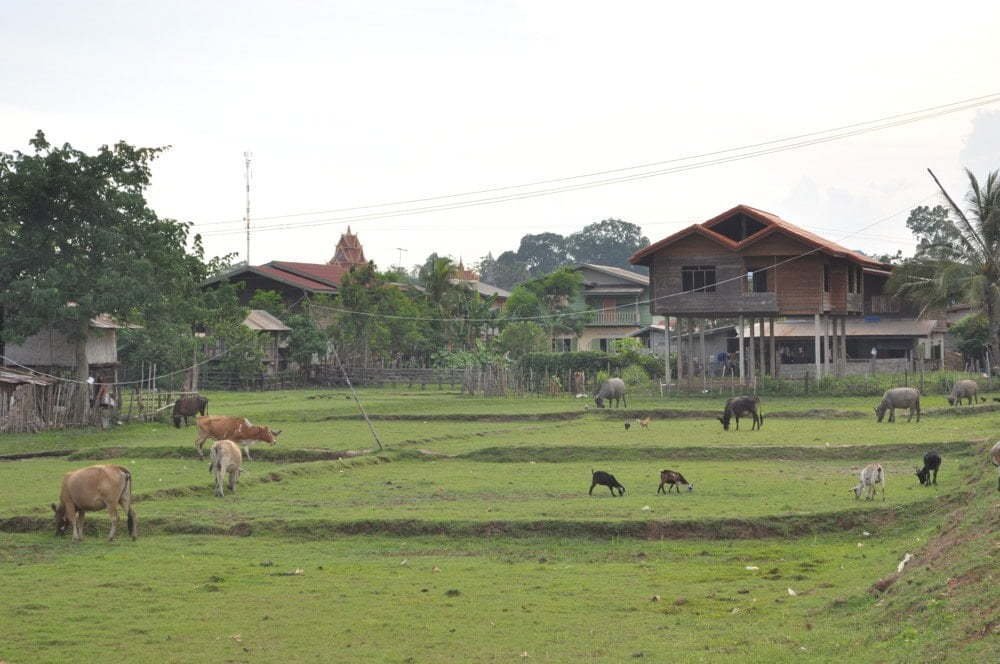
{"type": "Point", "coordinates": [619, 272]}
{"type": "Point", "coordinates": [323, 273]}
{"type": "Point", "coordinates": [14, 377]}
{"type": "Point", "coordinates": [258, 319]}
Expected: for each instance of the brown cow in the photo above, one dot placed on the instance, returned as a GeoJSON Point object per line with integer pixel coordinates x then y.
{"type": "Point", "coordinates": [226, 460]}
{"type": "Point", "coordinates": [237, 429]}
{"type": "Point", "coordinates": [94, 488]}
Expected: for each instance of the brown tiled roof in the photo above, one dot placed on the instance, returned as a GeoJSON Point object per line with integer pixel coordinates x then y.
{"type": "Point", "coordinates": [772, 224]}
{"type": "Point", "coordinates": [290, 278]}
{"type": "Point", "coordinates": [323, 273]}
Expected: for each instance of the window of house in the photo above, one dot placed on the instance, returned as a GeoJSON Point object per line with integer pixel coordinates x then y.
{"type": "Point", "coordinates": [698, 278]}
{"type": "Point", "coordinates": [758, 282]}
{"type": "Point", "coordinates": [826, 278]}
{"type": "Point", "coordinates": [562, 345]}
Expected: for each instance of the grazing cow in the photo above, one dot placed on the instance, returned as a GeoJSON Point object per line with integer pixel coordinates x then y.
{"type": "Point", "coordinates": [226, 459]}
{"type": "Point", "coordinates": [189, 406]}
{"type": "Point", "coordinates": [674, 479]}
{"type": "Point", "coordinates": [899, 397]}
{"type": "Point", "coordinates": [932, 461]}
{"type": "Point", "coordinates": [94, 488]}
{"type": "Point", "coordinates": [872, 477]}
{"type": "Point", "coordinates": [964, 389]}
{"type": "Point", "coordinates": [995, 458]}
{"type": "Point", "coordinates": [613, 389]}
{"type": "Point", "coordinates": [737, 407]}
{"type": "Point", "coordinates": [236, 429]}
{"type": "Point", "coordinates": [605, 479]}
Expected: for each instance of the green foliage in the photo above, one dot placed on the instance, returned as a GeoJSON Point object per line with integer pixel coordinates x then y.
{"type": "Point", "coordinates": [378, 319]}
{"type": "Point", "coordinates": [523, 337]}
{"type": "Point", "coordinates": [626, 344]}
{"type": "Point", "coordinates": [958, 254]}
{"type": "Point", "coordinates": [479, 355]}
{"type": "Point", "coordinates": [973, 334]}
{"type": "Point", "coordinates": [607, 242]}
{"type": "Point", "coordinates": [634, 375]}
{"type": "Point", "coordinates": [269, 301]}
{"type": "Point", "coordinates": [600, 377]}
{"type": "Point", "coordinates": [305, 340]}
{"type": "Point", "coordinates": [591, 361]}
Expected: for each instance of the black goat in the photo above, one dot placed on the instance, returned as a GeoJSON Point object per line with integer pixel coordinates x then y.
{"type": "Point", "coordinates": [932, 461]}
{"type": "Point", "coordinates": [605, 479]}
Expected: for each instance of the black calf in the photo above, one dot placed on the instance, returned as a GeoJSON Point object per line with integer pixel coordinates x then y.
{"type": "Point", "coordinates": [931, 464]}
{"type": "Point", "coordinates": [605, 479]}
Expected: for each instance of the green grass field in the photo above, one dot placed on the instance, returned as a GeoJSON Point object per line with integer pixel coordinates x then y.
{"type": "Point", "coordinates": [472, 537]}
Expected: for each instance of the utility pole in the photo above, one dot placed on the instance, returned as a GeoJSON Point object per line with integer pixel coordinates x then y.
{"type": "Point", "coordinates": [246, 163]}
{"type": "Point", "coordinates": [401, 250]}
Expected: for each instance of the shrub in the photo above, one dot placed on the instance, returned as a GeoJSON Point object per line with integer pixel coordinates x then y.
{"type": "Point", "coordinates": [634, 375]}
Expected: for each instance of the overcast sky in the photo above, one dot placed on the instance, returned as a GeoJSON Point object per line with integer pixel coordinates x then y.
{"type": "Point", "coordinates": [346, 104]}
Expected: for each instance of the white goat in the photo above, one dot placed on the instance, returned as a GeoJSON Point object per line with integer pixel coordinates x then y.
{"type": "Point", "coordinates": [872, 477]}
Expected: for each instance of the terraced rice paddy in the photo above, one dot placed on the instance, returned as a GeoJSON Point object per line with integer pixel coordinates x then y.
{"type": "Point", "coordinates": [471, 537]}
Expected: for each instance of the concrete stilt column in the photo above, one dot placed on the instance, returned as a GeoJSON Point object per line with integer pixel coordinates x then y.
{"type": "Point", "coordinates": [828, 326]}
{"type": "Point", "coordinates": [666, 347]}
{"type": "Point", "coordinates": [818, 336]}
{"type": "Point", "coordinates": [752, 354]}
{"type": "Point", "coordinates": [774, 356]}
{"type": "Point", "coordinates": [843, 344]}
{"type": "Point", "coordinates": [690, 350]}
{"type": "Point", "coordinates": [742, 355]}
{"type": "Point", "coordinates": [704, 357]}
{"type": "Point", "coordinates": [680, 350]}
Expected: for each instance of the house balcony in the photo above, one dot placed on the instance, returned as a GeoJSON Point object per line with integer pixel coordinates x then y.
{"type": "Point", "coordinates": [614, 318]}
{"type": "Point", "coordinates": [884, 305]}
{"type": "Point", "coordinates": [719, 304]}
{"type": "Point", "coordinates": [855, 303]}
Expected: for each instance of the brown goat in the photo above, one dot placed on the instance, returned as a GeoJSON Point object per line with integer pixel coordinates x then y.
{"type": "Point", "coordinates": [674, 479]}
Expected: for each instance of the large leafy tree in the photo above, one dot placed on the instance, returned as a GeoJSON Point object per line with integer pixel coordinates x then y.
{"type": "Point", "coordinates": [550, 301]}
{"type": "Point", "coordinates": [958, 254]}
{"type": "Point", "coordinates": [607, 242]}
{"type": "Point", "coordinates": [77, 239]}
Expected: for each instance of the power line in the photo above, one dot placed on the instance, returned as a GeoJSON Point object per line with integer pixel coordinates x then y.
{"type": "Point", "coordinates": [752, 150]}
{"type": "Point", "coordinates": [625, 178]}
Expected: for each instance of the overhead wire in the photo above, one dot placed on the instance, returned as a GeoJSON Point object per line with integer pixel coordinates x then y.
{"type": "Point", "coordinates": [856, 128]}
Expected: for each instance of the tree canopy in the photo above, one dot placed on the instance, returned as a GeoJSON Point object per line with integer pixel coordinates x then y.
{"type": "Point", "coordinates": [607, 242]}
{"type": "Point", "coordinates": [958, 254]}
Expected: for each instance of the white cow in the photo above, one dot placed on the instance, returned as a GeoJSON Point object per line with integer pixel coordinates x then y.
{"type": "Point", "coordinates": [872, 477]}
{"type": "Point", "coordinates": [226, 459]}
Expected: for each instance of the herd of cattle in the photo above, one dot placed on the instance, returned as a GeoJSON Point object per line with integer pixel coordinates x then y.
{"type": "Point", "coordinates": [110, 486]}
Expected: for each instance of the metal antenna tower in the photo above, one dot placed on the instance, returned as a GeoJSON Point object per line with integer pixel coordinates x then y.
{"type": "Point", "coordinates": [246, 162]}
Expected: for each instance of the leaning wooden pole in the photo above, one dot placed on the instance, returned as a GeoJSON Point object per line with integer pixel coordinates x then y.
{"type": "Point", "coordinates": [356, 399]}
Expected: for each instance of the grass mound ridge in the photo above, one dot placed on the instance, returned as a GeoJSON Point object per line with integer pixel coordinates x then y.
{"type": "Point", "coordinates": [273, 454]}
{"type": "Point", "coordinates": [767, 527]}
{"type": "Point", "coordinates": [571, 453]}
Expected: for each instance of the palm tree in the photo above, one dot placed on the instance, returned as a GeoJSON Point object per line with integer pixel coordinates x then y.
{"type": "Point", "coordinates": [958, 254]}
